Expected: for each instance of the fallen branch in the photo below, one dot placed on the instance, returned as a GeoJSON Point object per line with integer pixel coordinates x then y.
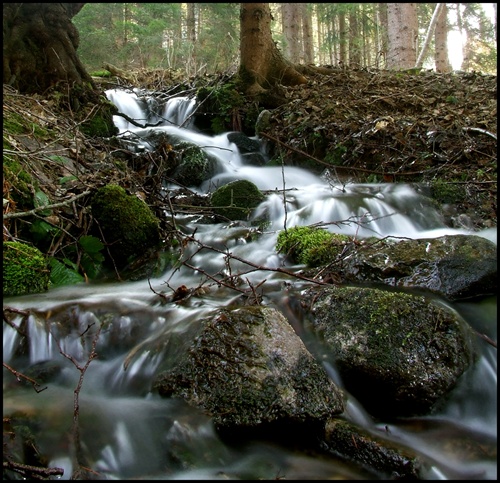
{"type": "Point", "coordinates": [19, 376]}
{"type": "Point", "coordinates": [32, 472]}
{"type": "Point", "coordinates": [45, 207]}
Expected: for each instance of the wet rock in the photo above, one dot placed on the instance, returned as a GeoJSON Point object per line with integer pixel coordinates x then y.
{"type": "Point", "coordinates": [347, 441]}
{"type": "Point", "coordinates": [243, 142]}
{"type": "Point", "coordinates": [194, 166]}
{"type": "Point", "coordinates": [397, 353]}
{"type": "Point", "coordinates": [248, 368]}
{"type": "Point", "coordinates": [453, 266]}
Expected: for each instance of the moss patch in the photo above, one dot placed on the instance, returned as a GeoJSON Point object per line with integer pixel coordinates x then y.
{"type": "Point", "coordinates": [311, 246]}
{"type": "Point", "coordinates": [101, 123]}
{"type": "Point", "coordinates": [25, 269]}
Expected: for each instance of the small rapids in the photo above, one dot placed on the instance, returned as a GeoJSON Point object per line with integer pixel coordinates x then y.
{"type": "Point", "coordinates": [128, 431]}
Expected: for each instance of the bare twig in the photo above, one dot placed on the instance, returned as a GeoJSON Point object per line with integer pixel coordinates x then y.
{"type": "Point", "coordinates": [76, 398]}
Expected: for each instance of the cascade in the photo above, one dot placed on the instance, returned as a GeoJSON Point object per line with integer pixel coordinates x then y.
{"type": "Point", "coordinates": [130, 433]}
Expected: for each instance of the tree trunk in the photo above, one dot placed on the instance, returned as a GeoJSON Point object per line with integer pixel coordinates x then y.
{"type": "Point", "coordinates": [39, 45]}
{"type": "Point", "coordinates": [307, 35]}
{"type": "Point", "coordinates": [354, 40]}
{"type": "Point", "coordinates": [343, 38]}
{"type": "Point", "coordinates": [291, 30]}
{"type": "Point", "coordinates": [191, 35]}
{"type": "Point", "coordinates": [382, 36]}
{"type": "Point", "coordinates": [262, 65]}
{"type": "Point", "coordinates": [402, 35]}
{"type": "Point", "coordinates": [428, 35]}
{"type": "Point", "coordinates": [441, 60]}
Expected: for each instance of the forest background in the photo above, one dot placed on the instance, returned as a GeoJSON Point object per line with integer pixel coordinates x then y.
{"type": "Point", "coordinates": [203, 38]}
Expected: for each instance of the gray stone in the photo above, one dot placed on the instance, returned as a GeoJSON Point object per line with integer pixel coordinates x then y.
{"type": "Point", "coordinates": [248, 367]}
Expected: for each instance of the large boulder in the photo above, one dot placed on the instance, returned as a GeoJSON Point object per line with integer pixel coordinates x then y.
{"type": "Point", "coordinates": [397, 353]}
{"type": "Point", "coordinates": [248, 368]}
{"type": "Point", "coordinates": [453, 266]}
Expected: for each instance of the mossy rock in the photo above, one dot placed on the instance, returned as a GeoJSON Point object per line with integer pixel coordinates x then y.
{"type": "Point", "coordinates": [25, 269]}
{"type": "Point", "coordinates": [310, 246]}
{"type": "Point", "coordinates": [195, 165]}
{"type": "Point", "coordinates": [236, 200]}
{"type": "Point", "coordinates": [128, 225]}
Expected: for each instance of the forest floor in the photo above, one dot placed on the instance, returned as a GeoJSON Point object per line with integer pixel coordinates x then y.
{"type": "Point", "coordinates": [362, 126]}
{"type": "Point", "coordinates": [438, 129]}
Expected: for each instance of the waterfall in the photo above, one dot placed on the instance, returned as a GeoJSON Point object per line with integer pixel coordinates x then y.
{"type": "Point", "coordinates": [128, 431]}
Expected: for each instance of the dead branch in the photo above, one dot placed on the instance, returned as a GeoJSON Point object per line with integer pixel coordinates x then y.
{"type": "Point", "coordinates": [19, 376]}
{"type": "Point", "coordinates": [32, 472]}
{"type": "Point", "coordinates": [46, 207]}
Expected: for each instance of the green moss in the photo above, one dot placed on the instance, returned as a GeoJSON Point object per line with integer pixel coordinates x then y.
{"type": "Point", "coordinates": [14, 123]}
{"type": "Point", "coordinates": [311, 246]}
{"type": "Point", "coordinates": [101, 73]}
{"type": "Point", "coordinates": [25, 269]}
{"type": "Point", "coordinates": [101, 123]}
{"type": "Point", "coordinates": [220, 103]}
{"type": "Point", "coordinates": [446, 192]}
{"type": "Point", "coordinates": [128, 225]}
{"type": "Point", "coordinates": [236, 200]}
{"type": "Point", "coordinates": [195, 166]}
{"type": "Point", "coordinates": [19, 183]}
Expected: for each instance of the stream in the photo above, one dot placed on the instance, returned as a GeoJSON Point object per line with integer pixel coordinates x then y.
{"type": "Point", "coordinates": [129, 432]}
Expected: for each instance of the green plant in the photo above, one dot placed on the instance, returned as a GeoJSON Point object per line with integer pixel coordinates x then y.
{"type": "Point", "coordinates": [335, 156]}
{"type": "Point", "coordinates": [447, 192]}
{"type": "Point", "coordinates": [64, 273]}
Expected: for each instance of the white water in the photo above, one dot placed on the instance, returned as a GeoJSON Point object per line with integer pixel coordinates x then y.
{"type": "Point", "coordinates": [129, 432]}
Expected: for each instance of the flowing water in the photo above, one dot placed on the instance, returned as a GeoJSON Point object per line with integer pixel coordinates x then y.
{"type": "Point", "coordinates": [129, 432]}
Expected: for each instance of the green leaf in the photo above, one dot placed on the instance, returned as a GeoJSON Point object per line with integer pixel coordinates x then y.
{"type": "Point", "coordinates": [41, 199]}
{"type": "Point", "coordinates": [59, 159]}
{"type": "Point", "coordinates": [65, 179]}
{"type": "Point", "coordinates": [61, 275]}
{"type": "Point", "coordinates": [92, 264]}
{"type": "Point", "coordinates": [91, 244]}
{"type": "Point", "coordinates": [42, 231]}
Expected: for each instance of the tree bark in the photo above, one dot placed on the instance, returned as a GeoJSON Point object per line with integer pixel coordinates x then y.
{"type": "Point", "coordinates": [441, 59]}
{"type": "Point", "coordinates": [307, 35]}
{"type": "Point", "coordinates": [291, 21]}
{"type": "Point", "coordinates": [262, 66]}
{"type": "Point", "coordinates": [402, 35]}
{"type": "Point", "coordinates": [39, 47]}
{"type": "Point", "coordinates": [382, 40]}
